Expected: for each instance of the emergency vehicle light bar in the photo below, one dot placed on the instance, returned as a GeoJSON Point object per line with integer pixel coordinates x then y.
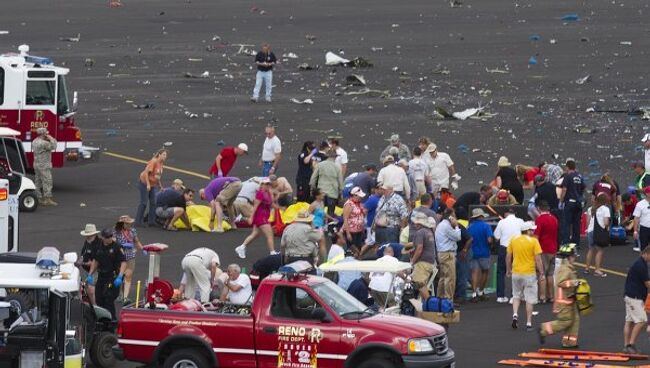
{"type": "Point", "coordinates": [292, 269]}
{"type": "Point", "coordinates": [38, 60]}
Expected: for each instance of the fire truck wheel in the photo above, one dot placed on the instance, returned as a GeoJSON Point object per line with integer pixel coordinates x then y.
{"type": "Point", "coordinates": [377, 363]}
{"type": "Point", "coordinates": [186, 358]}
{"type": "Point", "coordinates": [28, 201]}
{"type": "Point", "coordinates": [101, 352]}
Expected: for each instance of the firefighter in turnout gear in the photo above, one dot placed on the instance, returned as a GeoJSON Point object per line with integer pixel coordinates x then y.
{"type": "Point", "coordinates": [43, 146]}
{"type": "Point", "coordinates": [564, 307]}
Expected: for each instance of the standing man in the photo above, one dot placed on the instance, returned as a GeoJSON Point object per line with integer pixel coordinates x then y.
{"type": "Point", "coordinates": [545, 192]}
{"type": "Point", "coordinates": [327, 177]}
{"type": "Point", "coordinates": [441, 169]}
{"type": "Point", "coordinates": [366, 180]}
{"type": "Point", "coordinates": [300, 240]}
{"type": "Point", "coordinates": [568, 317]}
{"type": "Point", "coordinates": [43, 146]}
{"type": "Point", "coordinates": [91, 245]}
{"type": "Point", "coordinates": [424, 254]}
{"type": "Point", "coordinates": [642, 179]}
{"type": "Point", "coordinates": [110, 265]}
{"type": "Point", "coordinates": [637, 283]}
{"type": "Point", "coordinates": [391, 216]}
{"type": "Point", "coordinates": [221, 193]}
{"type": "Point", "coordinates": [420, 171]}
{"type": "Point", "coordinates": [448, 234]}
{"type": "Point", "coordinates": [642, 221]}
{"type": "Point", "coordinates": [226, 160]}
{"type": "Point", "coordinates": [265, 59]}
{"type": "Point", "coordinates": [402, 150]}
{"type": "Point", "coordinates": [200, 268]}
{"type": "Point", "coordinates": [394, 176]}
{"type": "Point", "coordinates": [571, 197]}
{"type": "Point", "coordinates": [508, 227]}
{"type": "Point", "coordinates": [524, 258]}
{"type": "Point", "coordinates": [271, 152]}
{"type": "Point", "coordinates": [547, 231]}
{"type": "Point", "coordinates": [646, 147]}
{"type": "Point", "coordinates": [482, 238]}
{"type": "Point", "coordinates": [341, 155]}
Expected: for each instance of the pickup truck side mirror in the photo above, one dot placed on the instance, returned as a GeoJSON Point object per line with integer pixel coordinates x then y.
{"type": "Point", "coordinates": [319, 314]}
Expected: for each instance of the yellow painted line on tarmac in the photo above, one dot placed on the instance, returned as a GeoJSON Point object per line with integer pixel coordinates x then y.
{"type": "Point", "coordinates": [171, 168]}
{"type": "Point", "coordinates": [603, 269]}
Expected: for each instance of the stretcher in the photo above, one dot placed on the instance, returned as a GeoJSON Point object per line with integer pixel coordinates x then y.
{"type": "Point", "coordinates": [569, 356]}
{"type": "Point", "coordinates": [582, 352]}
{"type": "Point", "coordinates": [561, 363]}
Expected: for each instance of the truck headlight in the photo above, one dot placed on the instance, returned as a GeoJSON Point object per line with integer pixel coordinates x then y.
{"type": "Point", "coordinates": [420, 346]}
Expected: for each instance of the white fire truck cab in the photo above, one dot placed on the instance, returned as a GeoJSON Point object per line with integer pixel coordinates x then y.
{"type": "Point", "coordinates": [33, 94]}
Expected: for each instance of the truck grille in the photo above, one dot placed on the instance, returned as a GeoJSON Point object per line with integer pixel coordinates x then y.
{"type": "Point", "coordinates": [440, 344]}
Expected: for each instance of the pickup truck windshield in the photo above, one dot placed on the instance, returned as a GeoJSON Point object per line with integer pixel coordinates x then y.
{"type": "Point", "coordinates": [339, 300]}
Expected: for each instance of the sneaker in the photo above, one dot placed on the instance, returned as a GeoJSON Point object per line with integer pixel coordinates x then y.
{"type": "Point", "coordinates": [253, 99]}
{"type": "Point", "coordinates": [540, 337]}
{"type": "Point", "coordinates": [535, 313]}
{"type": "Point", "coordinates": [502, 300]}
{"type": "Point", "coordinates": [514, 321]}
{"type": "Point", "coordinates": [529, 327]}
{"type": "Point", "coordinates": [474, 299]}
{"type": "Point", "coordinates": [268, 99]}
{"type": "Point", "coordinates": [510, 300]}
{"type": "Point", "coordinates": [241, 251]}
{"type": "Point", "coordinates": [636, 249]}
{"type": "Point", "coordinates": [273, 252]}
{"type": "Point", "coordinates": [631, 349]}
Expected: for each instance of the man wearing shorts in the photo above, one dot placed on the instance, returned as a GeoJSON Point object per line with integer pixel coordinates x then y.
{"type": "Point", "coordinates": [482, 237]}
{"type": "Point", "coordinates": [423, 257]}
{"type": "Point", "coordinates": [523, 259]}
{"type": "Point", "coordinates": [636, 291]}
{"type": "Point", "coordinates": [221, 193]}
{"type": "Point", "coordinates": [547, 232]}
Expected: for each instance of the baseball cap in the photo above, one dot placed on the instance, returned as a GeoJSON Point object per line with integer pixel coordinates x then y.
{"type": "Point", "coordinates": [243, 147]}
{"type": "Point", "coordinates": [370, 167]}
{"type": "Point", "coordinates": [106, 233]}
{"type": "Point", "coordinates": [389, 158]}
{"type": "Point", "coordinates": [645, 138]}
{"type": "Point", "coordinates": [502, 195]}
{"type": "Point", "coordinates": [636, 164]}
{"type": "Point", "coordinates": [356, 191]}
{"type": "Point", "coordinates": [394, 138]}
{"type": "Point", "coordinates": [528, 225]}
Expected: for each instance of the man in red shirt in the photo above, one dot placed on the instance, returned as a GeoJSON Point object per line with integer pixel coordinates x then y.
{"type": "Point", "coordinates": [226, 160]}
{"type": "Point", "coordinates": [546, 232]}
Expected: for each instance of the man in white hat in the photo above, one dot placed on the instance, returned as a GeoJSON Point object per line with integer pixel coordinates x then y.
{"type": "Point", "coordinates": [424, 254]}
{"type": "Point", "coordinates": [43, 146]}
{"type": "Point", "coordinates": [441, 169]}
{"type": "Point", "coordinates": [402, 149]}
{"type": "Point", "coordinates": [646, 147]}
{"type": "Point", "coordinates": [226, 160]}
{"type": "Point", "coordinates": [300, 240]}
{"type": "Point", "coordinates": [394, 176]}
{"type": "Point", "coordinates": [524, 264]}
{"type": "Point", "coordinates": [91, 243]}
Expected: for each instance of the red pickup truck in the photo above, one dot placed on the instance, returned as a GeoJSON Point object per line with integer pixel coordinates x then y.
{"type": "Point", "coordinates": [298, 321]}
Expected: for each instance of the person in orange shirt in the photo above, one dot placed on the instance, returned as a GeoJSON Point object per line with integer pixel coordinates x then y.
{"type": "Point", "coordinates": [148, 185]}
{"type": "Point", "coordinates": [447, 197]}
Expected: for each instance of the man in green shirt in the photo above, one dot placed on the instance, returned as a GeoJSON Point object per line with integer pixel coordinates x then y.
{"type": "Point", "coordinates": [327, 178]}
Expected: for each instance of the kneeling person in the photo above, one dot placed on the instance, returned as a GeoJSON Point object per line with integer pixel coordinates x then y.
{"type": "Point", "coordinates": [171, 205]}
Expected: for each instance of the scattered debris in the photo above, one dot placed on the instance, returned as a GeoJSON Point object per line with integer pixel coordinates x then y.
{"type": "Point", "coordinates": [481, 163]}
{"type": "Point", "coordinates": [305, 66]}
{"type": "Point", "coordinates": [583, 80]}
{"type": "Point", "coordinates": [626, 43]}
{"type": "Point", "coordinates": [4, 32]}
{"type": "Point", "coordinates": [463, 115]}
{"type": "Point", "coordinates": [367, 91]}
{"type": "Point", "coordinates": [455, 4]}
{"type": "Point", "coordinates": [205, 74]}
{"type": "Point", "coordinates": [497, 70]}
{"type": "Point", "coordinates": [307, 101]}
{"type": "Point", "coordinates": [534, 37]}
{"type": "Point", "coordinates": [581, 129]}
{"type": "Point", "coordinates": [290, 55]}
{"type": "Point", "coordinates": [375, 49]}
{"type": "Point", "coordinates": [71, 39]}
{"type": "Point", "coordinates": [355, 80]}
{"type": "Point", "coordinates": [532, 61]}
{"type": "Point", "coordinates": [333, 59]}
{"type": "Point", "coordinates": [337, 111]}
{"type": "Point", "coordinates": [310, 37]}
{"type": "Point", "coordinates": [89, 63]}
{"type": "Point", "coordinates": [572, 17]}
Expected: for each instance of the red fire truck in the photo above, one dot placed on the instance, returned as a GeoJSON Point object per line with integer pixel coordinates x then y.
{"type": "Point", "coordinates": [295, 321]}
{"type": "Point", "coordinates": [33, 94]}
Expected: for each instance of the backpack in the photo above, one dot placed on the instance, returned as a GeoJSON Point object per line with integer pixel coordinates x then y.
{"type": "Point", "coordinates": [583, 298]}
{"type": "Point", "coordinates": [440, 305]}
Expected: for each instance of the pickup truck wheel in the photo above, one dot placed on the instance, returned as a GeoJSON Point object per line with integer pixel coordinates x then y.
{"type": "Point", "coordinates": [101, 352]}
{"type": "Point", "coordinates": [377, 363]}
{"type": "Point", "coordinates": [188, 358]}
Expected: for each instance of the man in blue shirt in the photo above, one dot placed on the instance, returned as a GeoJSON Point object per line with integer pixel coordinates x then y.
{"type": "Point", "coordinates": [359, 289]}
{"type": "Point", "coordinates": [636, 291]}
{"type": "Point", "coordinates": [482, 238]}
{"type": "Point", "coordinates": [571, 197]}
{"type": "Point", "coordinates": [448, 234]}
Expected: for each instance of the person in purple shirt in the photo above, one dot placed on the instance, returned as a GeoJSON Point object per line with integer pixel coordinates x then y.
{"type": "Point", "coordinates": [221, 193]}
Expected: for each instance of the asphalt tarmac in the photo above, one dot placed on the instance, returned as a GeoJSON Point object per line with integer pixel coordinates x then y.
{"type": "Point", "coordinates": [425, 54]}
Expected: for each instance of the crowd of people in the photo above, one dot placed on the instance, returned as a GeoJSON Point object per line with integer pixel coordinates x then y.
{"type": "Point", "coordinates": [405, 209]}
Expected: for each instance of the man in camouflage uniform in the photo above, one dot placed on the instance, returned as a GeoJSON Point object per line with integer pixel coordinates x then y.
{"type": "Point", "coordinates": [43, 146]}
{"type": "Point", "coordinates": [565, 308]}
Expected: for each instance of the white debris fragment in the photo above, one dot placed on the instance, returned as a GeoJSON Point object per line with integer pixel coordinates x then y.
{"type": "Point", "coordinates": [333, 59]}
